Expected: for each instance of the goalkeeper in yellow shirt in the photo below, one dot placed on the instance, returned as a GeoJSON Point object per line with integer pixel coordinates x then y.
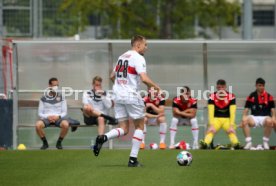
{"type": "Point", "coordinates": [222, 112]}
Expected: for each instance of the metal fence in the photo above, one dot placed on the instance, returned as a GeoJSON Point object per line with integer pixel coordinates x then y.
{"type": "Point", "coordinates": [197, 64]}
{"type": "Point", "coordinates": [33, 18]}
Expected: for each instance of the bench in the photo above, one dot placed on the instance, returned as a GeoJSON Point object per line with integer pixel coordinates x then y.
{"type": "Point", "coordinates": [72, 104]}
{"type": "Point", "coordinates": [34, 104]}
{"type": "Point", "coordinates": [76, 104]}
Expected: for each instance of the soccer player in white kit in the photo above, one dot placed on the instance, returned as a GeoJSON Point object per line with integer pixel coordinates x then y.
{"type": "Point", "coordinates": [127, 74]}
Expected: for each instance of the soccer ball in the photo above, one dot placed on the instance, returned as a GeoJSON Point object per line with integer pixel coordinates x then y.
{"type": "Point", "coordinates": [153, 146]}
{"type": "Point", "coordinates": [184, 158]}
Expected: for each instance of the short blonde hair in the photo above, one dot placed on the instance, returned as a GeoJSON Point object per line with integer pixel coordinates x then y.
{"type": "Point", "coordinates": [136, 38]}
{"type": "Point", "coordinates": [97, 78]}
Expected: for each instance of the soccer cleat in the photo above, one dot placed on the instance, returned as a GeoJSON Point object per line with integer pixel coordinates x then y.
{"type": "Point", "coordinates": [172, 147]}
{"type": "Point", "coordinates": [98, 145]}
{"type": "Point", "coordinates": [266, 146]}
{"type": "Point", "coordinates": [162, 146]}
{"type": "Point", "coordinates": [142, 146]}
{"type": "Point", "coordinates": [219, 147]}
{"type": "Point", "coordinates": [132, 163]}
{"type": "Point", "coordinates": [247, 146]}
{"type": "Point", "coordinates": [203, 144]}
{"type": "Point", "coordinates": [195, 145]}
{"type": "Point", "coordinates": [237, 146]}
{"type": "Point", "coordinates": [44, 146]}
{"type": "Point", "coordinates": [59, 146]}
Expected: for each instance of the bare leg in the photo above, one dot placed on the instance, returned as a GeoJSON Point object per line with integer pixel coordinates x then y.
{"type": "Point", "coordinates": [64, 126]}
{"type": "Point", "coordinates": [246, 124]}
{"type": "Point", "coordinates": [125, 126]}
{"type": "Point", "coordinates": [139, 123]}
{"type": "Point", "coordinates": [101, 125]}
{"type": "Point", "coordinates": [40, 132]}
{"type": "Point", "coordinates": [88, 111]}
{"type": "Point", "coordinates": [142, 146]}
{"type": "Point", "coordinates": [268, 127]}
{"type": "Point", "coordinates": [268, 124]}
{"type": "Point", "coordinates": [117, 132]}
{"type": "Point", "coordinates": [39, 126]}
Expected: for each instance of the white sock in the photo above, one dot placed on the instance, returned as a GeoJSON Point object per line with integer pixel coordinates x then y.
{"type": "Point", "coordinates": [136, 141]}
{"type": "Point", "coordinates": [173, 129]}
{"type": "Point", "coordinates": [162, 132]}
{"type": "Point", "coordinates": [248, 139]}
{"type": "Point", "coordinates": [195, 129]}
{"type": "Point", "coordinates": [145, 132]}
{"type": "Point", "coordinates": [115, 133]}
{"type": "Point", "coordinates": [265, 139]}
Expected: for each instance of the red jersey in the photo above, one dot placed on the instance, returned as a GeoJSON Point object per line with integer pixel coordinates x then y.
{"type": "Point", "coordinates": [260, 105]}
{"type": "Point", "coordinates": [157, 102]}
{"type": "Point", "coordinates": [192, 103]}
{"type": "Point", "coordinates": [222, 105]}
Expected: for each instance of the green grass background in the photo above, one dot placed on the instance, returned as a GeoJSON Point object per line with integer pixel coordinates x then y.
{"type": "Point", "coordinates": [81, 167]}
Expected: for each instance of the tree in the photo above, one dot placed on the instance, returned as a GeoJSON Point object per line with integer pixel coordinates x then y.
{"type": "Point", "coordinates": [58, 22]}
{"type": "Point", "coordinates": [122, 16]}
{"type": "Point", "coordinates": [167, 19]}
{"type": "Point", "coordinates": [177, 19]}
{"type": "Point", "coordinates": [218, 13]}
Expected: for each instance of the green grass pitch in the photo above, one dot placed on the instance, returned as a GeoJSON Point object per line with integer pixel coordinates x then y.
{"type": "Point", "coordinates": [81, 167]}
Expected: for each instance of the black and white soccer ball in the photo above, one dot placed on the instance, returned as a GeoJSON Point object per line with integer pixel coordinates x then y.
{"type": "Point", "coordinates": [184, 158]}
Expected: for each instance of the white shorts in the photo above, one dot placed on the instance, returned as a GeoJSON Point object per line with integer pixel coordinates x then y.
{"type": "Point", "coordinates": [258, 120]}
{"type": "Point", "coordinates": [152, 121]}
{"type": "Point", "coordinates": [184, 121]}
{"type": "Point", "coordinates": [129, 111]}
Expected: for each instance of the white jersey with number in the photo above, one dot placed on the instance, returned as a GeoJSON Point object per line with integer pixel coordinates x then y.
{"type": "Point", "coordinates": [127, 80]}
